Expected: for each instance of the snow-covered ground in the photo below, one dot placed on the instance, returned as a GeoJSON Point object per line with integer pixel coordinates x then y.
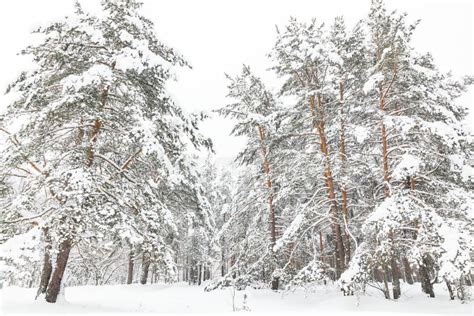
{"type": "Point", "coordinates": [181, 298]}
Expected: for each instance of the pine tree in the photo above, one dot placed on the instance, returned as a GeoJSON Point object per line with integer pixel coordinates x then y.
{"type": "Point", "coordinates": [256, 109]}
{"type": "Point", "coordinates": [101, 135]}
{"type": "Point", "coordinates": [303, 54]}
{"type": "Point", "coordinates": [420, 129]}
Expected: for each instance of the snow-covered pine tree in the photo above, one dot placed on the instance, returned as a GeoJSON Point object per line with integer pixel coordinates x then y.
{"type": "Point", "coordinates": [347, 73]}
{"type": "Point", "coordinates": [244, 234]}
{"type": "Point", "coordinates": [97, 135]}
{"type": "Point", "coordinates": [218, 185]}
{"type": "Point", "coordinates": [255, 110]}
{"type": "Point", "coordinates": [191, 200]}
{"type": "Point", "coordinates": [219, 189]}
{"type": "Point", "coordinates": [303, 53]}
{"type": "Point", "coordinates": [341, 55]}
{"type": "Point", "coordinates": [421, 216]}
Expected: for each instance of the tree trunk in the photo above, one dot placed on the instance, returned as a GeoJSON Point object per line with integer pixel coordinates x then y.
{"type": "Point", "coordinates": [426, 285]}
{"type": "Point", "coordinates": [199, 271]}
{"type": "Point", "coordinates": [223, 261]}
{"type": "Point", "coordinates": [406, 265]}
{"type": "Point", "coordinates": [387, 192]}
{"type": "Point", "coordinates": [153, 271]}
{"type": "Point", "coordinates": [378, 275]}
{"type": "Point", "coordinates": [97, 124]}
{"type": "Point", "coordinates": [395, 278]}
{"type": "Point", "coordinates": [461, 292]}
{"type": "Point", "coordinates": [389, 275]}
{"type": "Point", "coordinates": [335, 226]}
{"type": "Point", "coordinates": [32, 278]}
{"type": "Point", "coordinates": [343, 156]}
{"type": "Point", "coordinates": [321, 247]}
{"type": "Point", "coordinates": [61, 261]}
{"type": "Point", "coordinates": [450, 290]}
{"type": "Point", "coordinates": [385, 283]}
{"type": "Point", "coordinates": [47, 265]}
{"type": "Point", "coordinates": [130, 268]}
{"type": "Point", "coordinates": [45, 274]}
{"type": "Point", "coordinates": [145, 268]}
{"type": "Point", "coordinates": [408, 271]}
{"type": "Point", "coordinates": [271, 207]}
{"type": "Point", "coordinates": [188, 271]}
{"type": "Point", "coordinates": [275, 283]}
{"type": "Point", "coordinates": [468, 279]}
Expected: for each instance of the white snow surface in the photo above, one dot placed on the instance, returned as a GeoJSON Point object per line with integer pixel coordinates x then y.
{"type": "Point", "coordinates": [20, 247]}
{"type": "Point", "coordinates": [372, 82]}
{"type": "Point", "coordinates": [360, 133]}
{"type": "Point", "coordinates": [409, 165]}
{"type": "Point", "coordinates": [290, 232]}
{"type": "Point", "coordinates": [184, 299]}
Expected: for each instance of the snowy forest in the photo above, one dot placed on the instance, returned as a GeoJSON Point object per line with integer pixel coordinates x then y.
{"type": "Point", "coordinates": [356, 177]}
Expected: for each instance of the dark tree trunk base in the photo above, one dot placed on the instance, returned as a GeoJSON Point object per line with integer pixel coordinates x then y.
{"type": "Point", "coordinates": [47, 265]}
{"type": "Point", "coordinates": [145, 268]}
{"type": "Point", "coordinates": [275, 284]}
{"type": "Point", "coordinates": [61, 262]}
{"type": "Point", "coordinates": [45, 274]}
{"type": "Point", "coordinates": [450, 290]}
{"type": "Point", "coordinates": [426, 285]}
{"type": "Point", "coordinates": [130, 268]}
{"type": "Point", "coordinates": [408, 271]}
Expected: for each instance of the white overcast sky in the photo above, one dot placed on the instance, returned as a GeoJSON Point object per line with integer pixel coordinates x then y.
{"type": "Point", "coordinates": [218, 36]}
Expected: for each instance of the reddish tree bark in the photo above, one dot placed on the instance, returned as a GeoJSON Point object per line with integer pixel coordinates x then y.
{"type": "Point", "coordinates": [335, 226]}
{"type": "Point", "coordinates": [271, 206]}
{"type": "Point", "coordinates": [426, 285]}
{"type": "Point", "coordinates": [97, 124]}
{"type": "Point", "coordinates": [343, 156]}
{"type": "Point", "coordinates": [61, 262]}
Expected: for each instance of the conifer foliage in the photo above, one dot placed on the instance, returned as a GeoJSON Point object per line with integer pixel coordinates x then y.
{"type": "Point", "coordinates": [368, 158]}
{"type": "Point", "coordinates": [99, 144]}
{"type": "Point", "coordinates": [357, 168]}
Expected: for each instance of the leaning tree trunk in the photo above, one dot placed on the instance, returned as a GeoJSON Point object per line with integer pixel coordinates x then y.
{"type": "Point", "coordinates": [52, 285]}
{"type": "Point", "coordinates": [450, 289]}
{"type": "Point", "coordinates": [145, 268]}
{"type": "Point", "coordinates": [271, 206]}
{"type": "Point", "coordinates": [130, 268]}
{"type": "Point", "coordinates": [47, 265]}
{"type": "Point", "coordinates": [335, 226]}
{"type": "Point", "coordinates": [45, 273]}
{"type": "Point", "coordinates": [61, 262]}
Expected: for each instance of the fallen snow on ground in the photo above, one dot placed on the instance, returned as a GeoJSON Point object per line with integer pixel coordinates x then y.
{"type": "Point", "coordinates": [181, 298]}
